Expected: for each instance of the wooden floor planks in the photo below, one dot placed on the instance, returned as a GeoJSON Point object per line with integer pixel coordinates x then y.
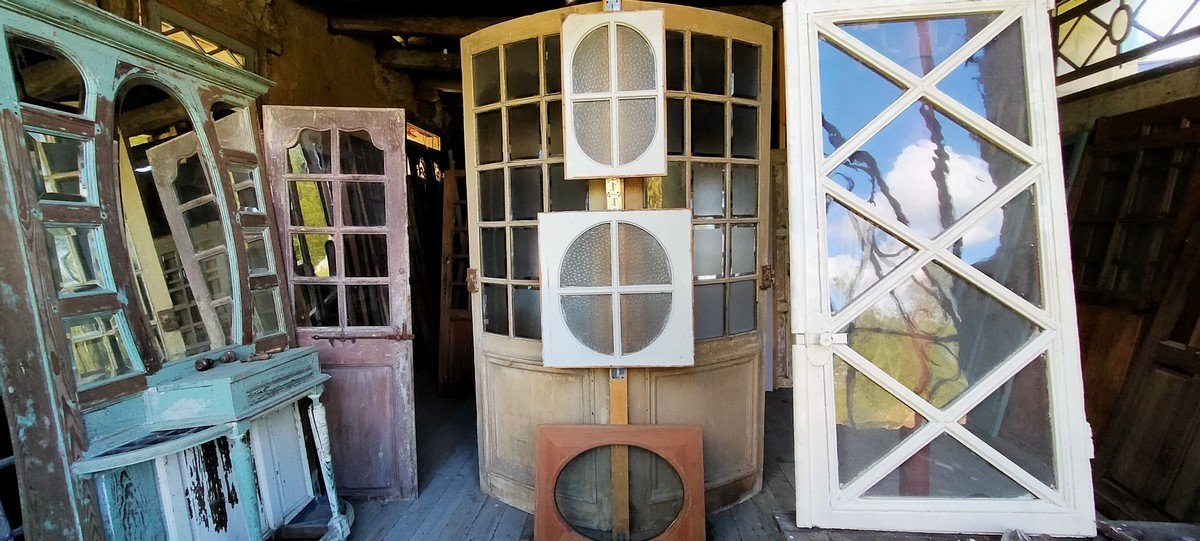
{"type": "Point", "coordinates": [450, 505]}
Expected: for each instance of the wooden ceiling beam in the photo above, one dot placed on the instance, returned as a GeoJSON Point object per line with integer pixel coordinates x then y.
{"type": "Point", "coordinates": [413, 59]}
{"type": "Point", "coordinates": [447, 27]}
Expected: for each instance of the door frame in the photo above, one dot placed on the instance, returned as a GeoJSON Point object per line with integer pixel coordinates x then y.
{"type": "Point", "coordinates": [1065, 511]}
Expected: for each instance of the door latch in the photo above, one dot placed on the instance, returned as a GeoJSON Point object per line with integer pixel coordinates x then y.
{"type": "Point", "coordinates": [768, 277]}
{"type": "Point", "coordinates": [825, 339]}
{"type": "Point", "coordinates": [472, 280]}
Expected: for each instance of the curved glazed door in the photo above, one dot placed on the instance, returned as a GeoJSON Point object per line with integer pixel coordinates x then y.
{"type": "Point", "coordinates": [718, 96]}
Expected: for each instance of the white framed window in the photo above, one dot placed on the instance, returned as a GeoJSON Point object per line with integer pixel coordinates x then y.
{"type": "Point", "coordinates": [616, 290]}
{"type": "Point", "coordinates": [613, 70]}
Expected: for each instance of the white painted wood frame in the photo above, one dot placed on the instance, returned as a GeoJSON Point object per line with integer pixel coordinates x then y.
{"type": "Point", "coordinates": [1064, 507]}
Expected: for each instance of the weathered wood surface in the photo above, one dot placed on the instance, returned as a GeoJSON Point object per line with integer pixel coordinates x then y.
{"type": "Point", "coordinates": [420, 60]}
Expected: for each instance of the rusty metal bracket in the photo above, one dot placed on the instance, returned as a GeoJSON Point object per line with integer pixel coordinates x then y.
{"type": "Point", "coordinates": [473, 280]}
{"type": "Point", "coordinates": [768, 277]}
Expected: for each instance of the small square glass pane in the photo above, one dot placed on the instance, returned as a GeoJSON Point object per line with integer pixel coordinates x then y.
{"type": "Point", "coordinates": [190, 181]}
{"type": "Point", "coordinates": [493, 246]}
{"type": "Point", "coordinates": [266, 312]}
{"type": "Point", "coordinates": [311, 203]}
{"type": "Point", "coordinates": [524, 132]}
{"type": "Point", "coordinates": [709, 311]}
{"type": "Point", "coordinates": [743, 306]}
{"type": "Point", "coordinates": [313, 255]}
{"type": "Point", "coordinates": [366, 255]}
{"type": "Point", "coordinates": [57, 162]}
{"type": "Point", "coordinates": [491, 195]}
{"type": "Point", "coordinates": [257, 255]}
{"type": "Point", "coordinates": [359, 154]}
{"type": "Point", "coordinates": [744, 185]}
{"type": "Point", "coordinates": [708, 64]}
{"type": "Point", "coordinates": [98, 347]}
{"type": "Point", "coordinates": [553, 62]}
{"type": "Point", "coordinates": [708, 190]}
{"type": "Point", "coordinates": [489, 135]}
{"type": "Point", "coordinates": [669, 192]}
{"type": "Point", "coordinates": [708, 128]}
{"type": "Point", "coordinates": [485, 68]}
{"type": "Point", "coordinates": [527, 312]}
{"type": "Point", "coordinates": [593, 130]}
{"type": "Point", "coordinates": [742, 252]}
{"type": "Point", "coordinates": [45, 77]}
{"type": "Point", "coordinates": [495, 308]}
{"type": "Point", "coordinates": [566, 194]}
{"type": "Point", "coordinates": [708, 257]}
{"type": "Point", "coordinates": [525, 253]}
{"type": "Point", "coordinates": [521, 69]}
{"type": "Point", "coordinates": [526, 184]}
{"type": "Point", "coordinates": [215, 269]}
{"type": "Point", "coordinates": [311, 154]}
{"type": "Point", "coordinates": [367, 306]}
{"type": "Point", "coordinates": [675, 127]}
{"type": "Point", "coordinates": [554, 128]}
{"type": "Point", "coordinates": [316, 305]}
{"type": "Point", "coordinates": [744, 143]}
{"type": "Point", "coordinates": [225, 321]}
{"type": "Point", "coordinates": [245, 191]}
{"type": "Point", "coordinates": [364, 204]}
{"type": "Point", "coordinates": [675, 60]}
{"type": "Point", "coordinates": [75, 258]}
{"type": "Point", "coordinates": [746, 70]}
{"type": "Point", "coordinates": [204, 226]}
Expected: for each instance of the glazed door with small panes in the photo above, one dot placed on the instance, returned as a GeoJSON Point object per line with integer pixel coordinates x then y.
{"type": "Point", "coordinates": [935, 333]}
{"type": "Point", "coordinates": [339, 192]}
{"type": "Point", "coordinates": [717, 113]}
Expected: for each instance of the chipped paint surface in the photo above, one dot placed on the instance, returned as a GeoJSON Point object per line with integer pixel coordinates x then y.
{"type": "Point", "coordinates": [211, 491]}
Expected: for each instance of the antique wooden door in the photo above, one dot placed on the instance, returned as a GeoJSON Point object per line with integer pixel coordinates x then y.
{"type": "Point", "coordinates": [338, 184]}
{"type": "Point", "coordinates": [934, 323]}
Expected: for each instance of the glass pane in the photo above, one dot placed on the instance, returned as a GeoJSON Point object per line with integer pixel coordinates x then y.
{"type": "Point", "coordinates": [566, 194]}
{"type": "Point", "coordinates": [708, 128]}
{"type": "Point", "coordinates": [926, 170]}
{"type": "Point", "coordinates": [675, 60]}
{"type": "Point", "coordinates": [311, 154]}
{"type": "Point", "coordinates": [491, 195]}
{"type": "Point", "coordinates": [312, 254]}
{"type": "Point", "coordinates": [526, 183]}
{"type": "Point", "coordinates": [521, 69]}
{"type": "Point", "coordinates": [860, 253]}
{"type": "Point", "coordinates": [593, 130]}
{"type": "Point", "coordinates": [98, 348]}
{"type": "Point", "coordinates": [742, 256]}
{"type": "Point", "coordinates": [743, 306]}
{"type": "Point", "coordinates": [216, 271]}
{"type": "Point", "coordinates": [45, 77]}
{"type": "Point", "coordinates": [636, 66]}
{"type": "Point", "coordinates": [844, 113]}
{"type": "Point", "coordinates": [992, 83]}
{"type": "Point", "coordinates": [675, 127]}
{"type": "Point", "coordinates": [266, 312]}
{"type": "Point", "coordinates": [75, 257]}
{"type": "Point", "coordinates": [367, 306]}
{"type": "Point", "coordinates": [554, 129]}
{"type": "Point", "coordinates": [493, 246]}
{"type": "Point", "coordinates": [316, 305]}
{"type": "Point", "coordinates": [311, 203]}
{"type": "Point", "coordinates": [489, 135]}
{"type": "Point", "coordinates": [637, 121]}
{"type": "Point", "coordinates": [870, 421]}
{"type": "Point", "coordinates": [524, 132]}
{"type": "Point", "coordinates": [745, 132]}
{"type": "Point", "coordinates": [364, 204]}
{"type": "Point", "coordinates": [1015, 420]}
{"type": "Point", "coordinates": [590, 63]}
{"type": "Point", "coordinates": [359, 154]}
{"type": "Point", "coordinates": [744, 187]}
{"type": "Point", "coordinates": [590, 320]}
{"type": "Point", "coordinates": [57, 162]}
{"type": "Point", "coordinates": [588, 260]}
{"type": "Point", "coordinates": [708, 64]}
{"type": "Point", "coordinates": [225, 321]}
{"type": "Point", "coordinates": [525, 253]}
{"type": "Point", "coordinates": [668, 192]}
{"type": "Point", "coordinates": [947, 469]}
{"type": "Point", "coordinates": [245, 189]}
{"type": "Point", "coordinates": [583, 494]}
{"type": "Point", "coordinates": [745, 70]}
{"type": "Point", "coordinates": [643, 318]}
{"type": "Point", "coordinates": [642, 259]}
{"type": "Point", "coordinates": [919, 45]}
{"type": "Point", "coordinates": [256, 254]}
{"type": "Point", "coordinates": [485, 76]}
{"type": "Point", "coordinates": [190, 182]}
{"type": "Point", "coordinates": [708, 258]}
{"type": "Point", "coordinates": [366, 255]}
{"type": "Point", "coordinates": [1004, 246]}
{"type": "Point", "coordinates": [204, 226]}
{"type": "Point", "coordinates": [708, 190]}
{"type": "Point", "coordinates": [709, 311]}
{"type": "Point", "coordinates": [527, 312]}
{"type": "Point", "coordinates": [495, 308]}
{"type": "Point", "coordinates": [553, 62]}
{"type": "Point", "coordinates": [938, 335]}
{"type": "Point", "coordinates": [234, 128]}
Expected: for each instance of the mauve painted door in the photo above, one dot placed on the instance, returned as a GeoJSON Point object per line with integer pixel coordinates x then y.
{"type": "Point", "coordinates": [337, 182]}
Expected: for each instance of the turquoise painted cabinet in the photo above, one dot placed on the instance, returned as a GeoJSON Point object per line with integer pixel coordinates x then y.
{"type": "Point", "coordinates": [149, 377]}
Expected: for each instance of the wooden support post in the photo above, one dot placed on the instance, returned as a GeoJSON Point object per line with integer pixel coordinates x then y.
{"type": "Point", "coordinates": [245, 478]}
{"type": "Point", "coordinates": [339, 525]}
{"type": "Point", "coordinates": [618, 406]}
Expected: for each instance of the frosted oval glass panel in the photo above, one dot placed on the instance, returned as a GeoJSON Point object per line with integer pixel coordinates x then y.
{"type": "Point", "coordinates": [636, 68]}
{"type": "Point", "coordinates": [637, 122]}
{"type": "Point", "coordinates": [588, 261]}
{"type": "Point", "coordinates": [593, 130]}
{"type": "Point", "coordinates": [642, 258]}
{"type": "Point", "coordinates": [589, 65]}
{"type": "Point", "coordinates": [643, 318]}
{"type": "Point", "coordinates": [589, 318]}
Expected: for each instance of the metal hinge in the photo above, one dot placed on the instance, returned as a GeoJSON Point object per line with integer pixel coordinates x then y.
{"type": "Point", "coordinates": [473, 280]}
{"type": "Point", "coordinates": [768, 277]}
{"type": "Point", "coordinates": [825, 339]}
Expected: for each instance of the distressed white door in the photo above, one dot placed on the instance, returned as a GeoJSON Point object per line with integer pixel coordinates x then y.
{"type": "Point", "coordinates": [935, 327]}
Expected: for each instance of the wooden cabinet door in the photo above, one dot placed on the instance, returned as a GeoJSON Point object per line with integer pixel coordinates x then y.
{"type": "Point", "coordinates": [338, 184]}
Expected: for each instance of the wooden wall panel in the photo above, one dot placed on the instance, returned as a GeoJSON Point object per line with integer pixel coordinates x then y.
{"type": "Point", "coordinates": [361, 426]}
{"type": "Point", "coordinates": [1108, 337]}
